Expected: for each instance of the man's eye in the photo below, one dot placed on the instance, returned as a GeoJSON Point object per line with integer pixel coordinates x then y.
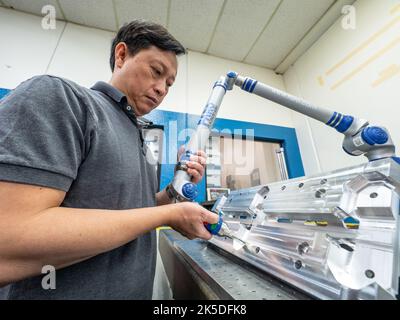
{"type": "Point", "coordinates": [157, 71]}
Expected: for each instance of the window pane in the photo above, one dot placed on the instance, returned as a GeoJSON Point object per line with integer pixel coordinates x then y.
{"type": "Point", "coordinates": [235, 163]}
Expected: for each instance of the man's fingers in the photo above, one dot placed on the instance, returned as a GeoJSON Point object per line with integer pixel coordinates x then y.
{"type": "Point", "coordinates": [195, 175]}
{"type": "Point", "coordinates": [205, 235]}
{"type": "Point", "coordinates": [211, 217]}
{"type": "Point", "coordinates": [196, 166]}
{"type": "Point", "coordinates": [201, 153]}
{"type": "Point", "coordinates": [198, 159]}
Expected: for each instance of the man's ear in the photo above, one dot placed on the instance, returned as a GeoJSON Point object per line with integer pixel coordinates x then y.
{"type": "Point", "coordinates": [121, 52]}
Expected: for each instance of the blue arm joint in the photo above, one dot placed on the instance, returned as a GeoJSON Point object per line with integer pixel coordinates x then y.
{"type": "Point", "coordinates": [374, 135]}
{"type": "Point", "coordinates": [340, 122]}
{"type": "Point", "coordinates": [189, 190]}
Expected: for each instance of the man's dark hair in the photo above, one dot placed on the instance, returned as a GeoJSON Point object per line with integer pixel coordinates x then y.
{"type": "Point", "coordinates": [141, 34]}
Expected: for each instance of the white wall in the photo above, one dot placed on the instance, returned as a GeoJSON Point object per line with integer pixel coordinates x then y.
{"type": "Point", "coordinates": [70, 51]}
{"type": "Point", "coordinates": [362, 94]}
{"type": "Point", "coordinates": [81, 54]}
{"type": "Point", "coordinates": [25, 48]}
{"type": "Point", "coordinates": [204, 70]}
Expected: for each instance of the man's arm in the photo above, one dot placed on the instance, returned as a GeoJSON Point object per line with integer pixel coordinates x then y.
{"type": "Point", "coordinates": [163, 199]}
{"type": "Point", "coordinates": [35, 231]}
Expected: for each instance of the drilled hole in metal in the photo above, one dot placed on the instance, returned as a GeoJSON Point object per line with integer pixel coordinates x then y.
{"type": "Point", "coordinates": [369, 274]}
{"type": "Point", "coordinates": [373, 195]}
{"type": "Point", "coordinates": [298, 264]}
{"type": "Point", "coordinates": [319, 193]}
{"type": "Point", "coordinates": [303, 248]}
{"type": "Point", "coordinates": [346, 247]}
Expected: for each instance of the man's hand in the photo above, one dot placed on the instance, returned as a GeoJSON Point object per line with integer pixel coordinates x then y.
{"type": "Point", "coordinates": [188, 218]}
{"type": "Point", "coordinates": [196, 165]}
{"type": "Point", "coordinates": [195, 168]}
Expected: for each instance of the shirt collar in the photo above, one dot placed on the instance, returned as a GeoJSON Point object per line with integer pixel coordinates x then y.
{"type": "Point", "coordinates": [110, 91]}
{"type": "Point", "coordinates": [118, 97]}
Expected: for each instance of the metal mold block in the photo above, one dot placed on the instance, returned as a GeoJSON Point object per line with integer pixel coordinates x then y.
{"type": "Point", "coordinates": [334, 236]}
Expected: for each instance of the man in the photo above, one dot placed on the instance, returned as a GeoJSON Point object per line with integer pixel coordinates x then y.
{"type": "Point", "coordinates": [76, 191]}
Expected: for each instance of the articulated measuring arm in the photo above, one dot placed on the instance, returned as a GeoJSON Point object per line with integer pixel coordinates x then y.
{"type": "Point", "coordinates": [359, 137]}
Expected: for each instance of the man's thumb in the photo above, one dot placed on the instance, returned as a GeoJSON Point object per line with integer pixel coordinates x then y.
{"type": "Point", "coordinates": [211, 217]}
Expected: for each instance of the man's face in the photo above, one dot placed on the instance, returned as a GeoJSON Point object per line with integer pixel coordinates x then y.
{"type": "Point", "coordinates": [145, 78]}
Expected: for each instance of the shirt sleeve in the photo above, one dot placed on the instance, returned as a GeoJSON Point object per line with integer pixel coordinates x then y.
{"type": "Point", "coordinates": [42, 133]}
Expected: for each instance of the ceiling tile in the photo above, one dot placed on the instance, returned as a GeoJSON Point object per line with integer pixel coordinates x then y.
{"type": "Point", "coordinates": [192, 21]}
{"type": "Point", "coordinates": [239, 27]}
{"type": "Point", "coordinates": [154, 10]}
{"type": "Point", "coordinates": [34, 7]}
{"type": "Point", "coordinates": [266, 33]}
{"type": "Point", "coordinates": [93, 13]}
{"type": "Point", "coordinates": [290, 23]}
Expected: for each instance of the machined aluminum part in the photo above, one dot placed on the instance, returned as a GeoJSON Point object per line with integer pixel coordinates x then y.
{"type": "Point", "coordinates": [333, 236]}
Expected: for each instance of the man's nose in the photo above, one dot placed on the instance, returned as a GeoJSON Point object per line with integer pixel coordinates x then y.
{"type": "Point", "coordinates": [160, 89]}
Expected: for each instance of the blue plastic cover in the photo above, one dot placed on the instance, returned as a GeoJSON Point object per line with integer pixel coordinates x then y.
{"type": "Point", "coordinates": [189, 190]}
{"type": "Point", "coordinates": [374, 135]}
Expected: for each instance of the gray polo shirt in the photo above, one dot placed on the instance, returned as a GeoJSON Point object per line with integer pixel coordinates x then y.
{"type": "Point", "coordinates": [86, 142]}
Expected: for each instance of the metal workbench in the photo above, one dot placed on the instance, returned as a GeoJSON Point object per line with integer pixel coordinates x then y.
{"type": "Point", "coordinates": [197, 269]}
